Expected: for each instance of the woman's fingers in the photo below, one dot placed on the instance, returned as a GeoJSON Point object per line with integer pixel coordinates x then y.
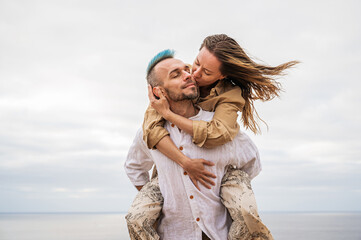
{"type": "Point", "coordinates": [204, 179]}
{"type": "Point", "coordinates": [195, 182]}
{"type": "Point", "coordinates": [209, 174]}
{"type": "Point", "coordinates": [208, 180]}
{"type": "Point", "coordinates": [209, 163]}
{"type": "Point", "coordinates": [160, 94]}
{"type": "Point", "coordinates": [204, 183]}
{"type": "Point", "coordinates": [150, 93]}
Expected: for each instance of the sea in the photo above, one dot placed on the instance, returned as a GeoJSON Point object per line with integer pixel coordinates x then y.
{"type": "Point", "coordinates": [112, 226]}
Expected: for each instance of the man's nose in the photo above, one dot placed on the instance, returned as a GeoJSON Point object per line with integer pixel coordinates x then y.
{"type": "Point", "coordinates": [187, 75]}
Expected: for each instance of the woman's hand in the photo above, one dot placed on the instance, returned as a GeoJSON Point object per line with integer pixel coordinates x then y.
{"type": "Point", "coordinates": [197, 172]}
{"type": "Point", "coordinates": [161, 105]}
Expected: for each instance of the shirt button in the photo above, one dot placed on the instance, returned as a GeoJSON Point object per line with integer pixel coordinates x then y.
{"type": "Point", "coordinates": [172, 125]}
{"type": "Point", "coordinates": [185, 173]}
{"type": "Point", "coordinates": [191, 196]}
{"type": "Point", "coordinates": [181, 148]}
{"type": "Point", "coordinates": [197, 219]}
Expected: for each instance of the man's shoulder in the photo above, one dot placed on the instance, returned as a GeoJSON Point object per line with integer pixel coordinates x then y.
{"type": "Point", "coordinates": [138, 139]}
{"type": "Point", "coordinates": [139, 133]}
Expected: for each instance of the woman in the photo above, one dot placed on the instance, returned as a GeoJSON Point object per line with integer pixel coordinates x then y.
{"type": "Point", "coordinates": [229, 82]}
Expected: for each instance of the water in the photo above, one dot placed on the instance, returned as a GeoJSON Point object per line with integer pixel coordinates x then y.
{"type": "Point", "coordinates": [296, 226]}
{"type": "Point", "coordinates": [317, 226]}
{"type": "Point", "coordinates": [63, 227]}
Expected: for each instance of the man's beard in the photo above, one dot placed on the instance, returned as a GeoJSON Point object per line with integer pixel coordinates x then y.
{"type": "Point", "coordinates": [177, 97]}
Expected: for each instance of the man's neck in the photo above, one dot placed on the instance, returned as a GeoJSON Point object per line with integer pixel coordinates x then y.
{"type": "Point", "coordinates": [184, 108]}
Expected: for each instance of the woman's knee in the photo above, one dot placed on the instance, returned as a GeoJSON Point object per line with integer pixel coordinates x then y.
{"type": "Point", "coordinates": [235, 177]}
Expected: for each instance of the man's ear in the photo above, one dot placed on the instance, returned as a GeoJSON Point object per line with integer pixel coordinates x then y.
{"type": "Point", "coordinates": [155, 92]}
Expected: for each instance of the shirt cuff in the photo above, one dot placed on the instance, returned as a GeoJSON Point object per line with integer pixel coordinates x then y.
{"type": "Point", "coordinates": [140, 182]}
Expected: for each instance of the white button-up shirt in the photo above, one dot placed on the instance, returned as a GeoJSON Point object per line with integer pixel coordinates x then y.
{"type": "Point", "coordinates": [187, 211]}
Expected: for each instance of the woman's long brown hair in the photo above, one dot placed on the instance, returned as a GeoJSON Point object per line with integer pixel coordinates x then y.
{"type": "Point", "coordinates": [256, 81]}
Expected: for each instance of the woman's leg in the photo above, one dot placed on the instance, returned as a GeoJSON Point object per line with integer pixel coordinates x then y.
{"type": "Point", "coordinates": [238, 197]}
{"type": "Point", "coordinates": [145, 211]}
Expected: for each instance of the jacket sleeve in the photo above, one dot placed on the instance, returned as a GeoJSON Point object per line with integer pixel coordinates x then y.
{"type": "Point", "coordinates": [153, 130]}
{"type": "Point", "coordinates": [223, 127]}
{"type": "Point", "coordinates": [139, 161]}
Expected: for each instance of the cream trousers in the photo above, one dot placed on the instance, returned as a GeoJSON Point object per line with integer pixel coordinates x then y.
{"type": "Point", "coordinates": [236, 195]}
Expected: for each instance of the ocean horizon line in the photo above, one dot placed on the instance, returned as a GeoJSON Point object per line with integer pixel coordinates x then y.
{"type": "Point", "coordinates": [123, 212]}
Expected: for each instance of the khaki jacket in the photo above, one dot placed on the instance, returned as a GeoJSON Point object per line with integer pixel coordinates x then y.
{"type": "Point", "coordinates": [225, 100]}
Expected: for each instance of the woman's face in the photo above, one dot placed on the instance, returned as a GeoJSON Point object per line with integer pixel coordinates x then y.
{"type": "Point", "coordinates": [205, 69]}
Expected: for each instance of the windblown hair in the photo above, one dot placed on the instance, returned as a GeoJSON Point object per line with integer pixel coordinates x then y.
{"type": "Point", "coordinates": [256, 81]}
{"type": "Point", "coordinates": [151, 76]}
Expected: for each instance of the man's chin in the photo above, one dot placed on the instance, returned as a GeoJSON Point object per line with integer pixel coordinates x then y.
{"type": "Point", "coordinates": [193, 95]}
{"type": "Point", "coordinates": [193, 91]}
{"type": "Point", "coordinates": [188, 93]}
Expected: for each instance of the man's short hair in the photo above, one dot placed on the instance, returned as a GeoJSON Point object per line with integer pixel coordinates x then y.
{"type": "Point", "coordinates": [152, 79]}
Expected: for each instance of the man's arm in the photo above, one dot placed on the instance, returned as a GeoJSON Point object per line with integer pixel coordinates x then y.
{"type": "Point", "coordinates": [246, 155]}
{"type": "Point", "coordinates": [139, 187]}
{"type": "Point", "coordinates": [138, 162]}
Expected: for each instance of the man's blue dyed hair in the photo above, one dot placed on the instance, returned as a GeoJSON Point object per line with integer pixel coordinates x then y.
{"type": "Point", "coordinates": [168, 53]}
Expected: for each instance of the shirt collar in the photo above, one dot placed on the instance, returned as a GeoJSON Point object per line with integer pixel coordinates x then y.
{"type": "Point", "coordinates": [198, 115]}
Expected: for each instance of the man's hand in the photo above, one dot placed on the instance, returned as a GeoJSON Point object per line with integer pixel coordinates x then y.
{"type": "Point", "coordinates": [197, 172]}
{"type": "Point", "coordinates": [139, 187]}
{"type": "Point", "coordinates": [161, 105]}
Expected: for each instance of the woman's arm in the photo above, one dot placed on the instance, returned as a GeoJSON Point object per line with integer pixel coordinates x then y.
{"type": "Point", "coordinates": [156, 136]}
{"type": "Point", "coordinates": [223, 127]}
{"type": "Point", "coordinates": [153, 130]}
{"type": "Point", "coordinates": [161, 106]}
{"type": "Point", "coordinates": [220, 130]}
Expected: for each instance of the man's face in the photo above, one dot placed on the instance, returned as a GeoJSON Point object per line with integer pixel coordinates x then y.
{"type": "Point", "coordinates": [177, 82]}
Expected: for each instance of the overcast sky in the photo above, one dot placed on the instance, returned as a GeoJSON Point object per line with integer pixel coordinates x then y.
{"type": "Point", "coordinates": [73, 94]}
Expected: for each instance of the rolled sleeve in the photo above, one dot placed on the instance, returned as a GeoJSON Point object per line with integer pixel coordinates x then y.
{"type": "Point", "coordinates": [223, 127]}
{"type": "Point", "coordinates": [155, 135]}
{"type": "Point", "coordinates": [212, 134]}
{"type": "Point", "coordinates": [199, 132]}
{"type": "Point", "coordinates": [153, 130]}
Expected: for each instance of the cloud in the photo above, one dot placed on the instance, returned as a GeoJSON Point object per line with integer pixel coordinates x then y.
{"type": "Point", "coordinates": [73, 94]}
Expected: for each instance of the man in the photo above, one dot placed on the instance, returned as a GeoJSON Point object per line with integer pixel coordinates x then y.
{"type": "Point", "coordinates": [187, 213]}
